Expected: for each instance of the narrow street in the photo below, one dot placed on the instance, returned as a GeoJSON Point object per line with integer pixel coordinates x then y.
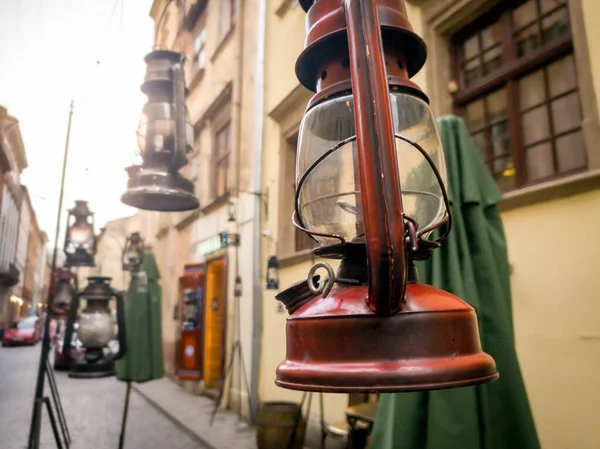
{"type": "Point", "coordinates": [93, 409]}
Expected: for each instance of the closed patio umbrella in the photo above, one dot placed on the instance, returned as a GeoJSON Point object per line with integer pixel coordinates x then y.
{"type": "Point", "coordinates": [473, 265]}
{"type": "Point", "coordinates": [144, 358]}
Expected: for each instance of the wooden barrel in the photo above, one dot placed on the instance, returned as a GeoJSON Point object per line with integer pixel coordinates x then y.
{"type": "Point", "coordinates": [280, 426]}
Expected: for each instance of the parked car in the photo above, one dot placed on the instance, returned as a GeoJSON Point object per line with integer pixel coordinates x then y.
{"type": "Point", "coordinates": [24, 331]}
{"type": "Point", "coordinates": [62, 363]}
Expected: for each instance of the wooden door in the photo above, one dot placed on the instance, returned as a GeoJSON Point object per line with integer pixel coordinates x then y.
{"type": "Point", "coordinates": [215, 324]}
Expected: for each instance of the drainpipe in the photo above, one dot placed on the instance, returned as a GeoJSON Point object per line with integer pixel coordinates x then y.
{"type": "Point", "coordinates": [257, 181]}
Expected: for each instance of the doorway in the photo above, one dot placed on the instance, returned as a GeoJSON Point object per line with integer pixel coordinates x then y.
{"type": "Point", "coordinates": [215, 322]}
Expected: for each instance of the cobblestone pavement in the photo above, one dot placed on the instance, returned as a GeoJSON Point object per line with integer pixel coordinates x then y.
{"type": "Point", "coordinates": [93, 409]}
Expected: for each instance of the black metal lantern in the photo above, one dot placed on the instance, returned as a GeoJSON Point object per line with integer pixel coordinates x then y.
{"type": "Point", "coordinates": [272, 273]}
{"type": "Point", "coordinates": [80, 241]}
{"type": "Point", "coordinates": [133, 253]}
{"type": "Point", "coordinates": [165, 137]}
{"type": "Point", "coordinates": [64, 289]}
{"type": "Point", "coordinates": [96, 329]}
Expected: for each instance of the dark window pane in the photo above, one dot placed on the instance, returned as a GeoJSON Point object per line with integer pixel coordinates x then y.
{"type": "Point", "coordinates": [302, 240]}
{"type": "Point", "coordinates": [222, 167]}
{"type": "Point", "coordinates": [479, 140]}
{"type": "Point", "coordinates": [549, 5]}
{"type": "Point", "coordinates": [524, 14]}
{"type": "Point", "coordinates": [471, 47]}
{"type": "Point", "coordinates": [527, 40]}
{"type": "Point", "coordinates": [539, 161]}
{"type": "Point", "coordinates": [535, 125]}
{"type": "Point", "coordinates": [562, 75]}
{"type": "Point", "coordinates": [492, 59]}
{"type": "Point", "coordinates": [504, 173]}
{"type": "Point", "coordinates": [471, 71]}
{"type": "Point", "coordinates": [566, 113]}
{"type": "Point", "coordinates": [476, 115]}
{"type": "Point", "coordinates": [496, 105]}
{"type": "Point", "coordinates": [555, 25]}
{"type": "Point", "coordinates": [491, 35]}
{"type": "Point", "coordinates": [570, 152]}
{"type": "Point", "coordinates": [500, 139]}
{"type": "Point", "coordinates": [531, 90]}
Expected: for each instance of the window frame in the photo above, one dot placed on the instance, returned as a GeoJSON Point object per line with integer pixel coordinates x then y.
{"type": "Point", "coordinates": [202, 31]}
{"type": "Point", "coordinates": [221, 157]}
{"type": "Point", "coordinates": [302, 241]}
{"type": "Point", "coordinates": [225, 26]}
{"type": "Point", "coordinates": [507, 76]}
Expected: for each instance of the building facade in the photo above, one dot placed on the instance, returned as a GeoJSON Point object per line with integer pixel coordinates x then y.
{"type": "Point", "coordinates": [219, 243]}
{"type": "Point", "coordinates": [22, 291]}
{"type": "Point", "coordinates": [13, 161]}
{"type": "Point", "coordinates": [525, 75]}
{"type": "Point", "coordinates": [41, 262]}
{"type": "Point", "coordinates": [34, 247]}
{"type": "Point", "coordinates": [111, 243]}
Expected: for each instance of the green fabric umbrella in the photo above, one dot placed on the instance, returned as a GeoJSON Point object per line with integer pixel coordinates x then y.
{"type": "Point", "coordinates": [472, 264]}
{"type": "Point", "coordinates": [144, 358]}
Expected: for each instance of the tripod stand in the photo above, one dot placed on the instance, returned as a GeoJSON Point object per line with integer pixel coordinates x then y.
{"type": "Point", "coordinates": [44, 368]}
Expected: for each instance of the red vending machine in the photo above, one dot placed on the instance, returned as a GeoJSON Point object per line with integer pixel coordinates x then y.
{"type": "Point", "coordinates": [190, 357]}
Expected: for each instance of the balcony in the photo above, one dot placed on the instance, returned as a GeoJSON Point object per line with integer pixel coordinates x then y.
{"type": "Point", "coordinates": [9, 274]}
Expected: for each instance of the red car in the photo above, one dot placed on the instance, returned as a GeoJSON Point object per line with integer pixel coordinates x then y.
{"type": "Point", "coordinates": [22, 332]}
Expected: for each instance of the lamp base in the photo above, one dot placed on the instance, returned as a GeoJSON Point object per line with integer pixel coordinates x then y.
{"type": "Point", "coordinates": [337, 344]}
{"type": "Point", "coordinates": [84, 370]}
{"type": "Point", "coordinates": [159, 190]}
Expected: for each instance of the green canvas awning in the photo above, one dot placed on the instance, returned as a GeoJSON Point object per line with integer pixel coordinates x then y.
{"type": "Point", "coordinates": [472, 264]}
{"type": "Point", "coordinates": [144, 358]}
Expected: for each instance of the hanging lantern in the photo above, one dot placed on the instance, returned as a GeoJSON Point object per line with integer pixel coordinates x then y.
{"type": "Point", "coordinates": [133, 252]}
{"type": "Point", "coordinates": [370, 191]}
{"type": "Point", "coordinates": [237, 288]}
{"type": "Point", "coordinates": [96, 329]}
{"type": "Point", "coordinates": [80, 241]}
{"type": "Point", "coordinates": [165, 136]}
{"type": "Point", "coordinates": [64, 289]}
{"type": "Point", "coordinates": [272, 273]}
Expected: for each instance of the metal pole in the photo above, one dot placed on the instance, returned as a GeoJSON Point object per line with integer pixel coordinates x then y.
{"type": "Point", "coordinates": [125, 413]}
{"type": "Point", "coordinates": [36, 416]}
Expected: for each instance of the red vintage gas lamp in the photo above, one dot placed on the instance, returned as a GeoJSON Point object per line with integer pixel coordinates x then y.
{"type": "Point", "coordinates": [370, 191]}
{"type": "Point", "coordinates": [64, 289]}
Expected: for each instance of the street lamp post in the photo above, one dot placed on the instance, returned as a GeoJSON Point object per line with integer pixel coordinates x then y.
{"type": "Point", "coordinates": [40, 400]}
{"type": "Point", "coordinates": [370, 191]}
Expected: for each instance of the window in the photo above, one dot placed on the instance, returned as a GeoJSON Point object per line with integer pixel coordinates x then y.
{"type": "Point", "coordinates": [200, 48]}
{"type": "Point", "coordinates": [222, 152]}
{"type": "Point", "coordinates": [226, 17]}
{"type": "Point", "coordinates": [518, 91]}
{"type": "Point", "coordinates": [302, 240]}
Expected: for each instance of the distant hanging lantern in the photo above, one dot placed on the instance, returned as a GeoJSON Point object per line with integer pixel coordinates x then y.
{"type": "Point", "coordinates": [165, 137]}
{"type": "Point", "coordinates": [272, 273]}
{"type": "Point", "coordinates": [231, 212]}
{"type": "Point", "coordinates": [64, 289]}
{"type": "Point", "coordinates": [96, 328]}
{"type": "Point", "coordinates": [133, 253]}
{"type": "Point", "coordinates": [80, 241]}
{"type": "Point", "coordinates": [370, 191]}
{"type": "Point", "coordinates": [237, 289]}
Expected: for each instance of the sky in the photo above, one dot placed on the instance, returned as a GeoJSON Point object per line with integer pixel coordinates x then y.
{"type": "Point", "coordinates": [91, 52]}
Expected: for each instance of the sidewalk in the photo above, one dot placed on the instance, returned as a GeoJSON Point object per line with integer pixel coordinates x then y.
{"type": "Point", "coordinates": [192, 413]}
